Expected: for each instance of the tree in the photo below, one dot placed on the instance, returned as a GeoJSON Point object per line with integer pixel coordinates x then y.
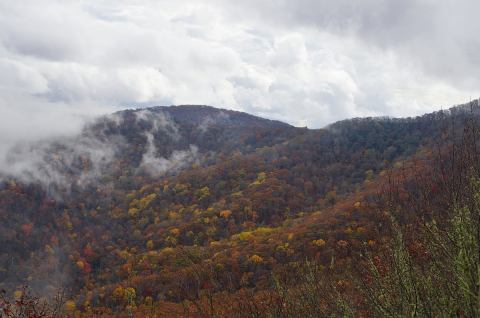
{"type": "Point", "coordinates": [26, 305]}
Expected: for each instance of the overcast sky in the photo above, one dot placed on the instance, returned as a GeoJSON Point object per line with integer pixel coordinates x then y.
{"type": "Point", "coordinates": [306, 62]}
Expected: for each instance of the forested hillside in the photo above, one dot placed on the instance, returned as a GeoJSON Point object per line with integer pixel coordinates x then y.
{"type": "Point", "coordinates": [192, 211]}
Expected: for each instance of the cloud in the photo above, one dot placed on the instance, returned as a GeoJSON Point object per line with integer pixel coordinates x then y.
{"type": "Point", "coordinates": [160, 122]}
{"type": "Point", "coordinates": [62, 162]}
{"type": "Point", "coordinates": [210, 121]}
{"type": "Point", "coordinates": [437, 36]}
{"type": "Point", "coordinates": [154, 164]}
{"type": "Point", "coordinates": [304, 62]}
{"type": "Point", "coordinates": [157, 166]}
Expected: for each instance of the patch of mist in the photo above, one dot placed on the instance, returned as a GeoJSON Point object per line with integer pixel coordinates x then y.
{"type": "Point", "coordinates": [79, 160]}
{"type": "Point", "coordinates": [44, 272]}
{"type": "Point", "coordinates": [209, 121]}
{"type": "Point", "coordinates": [49, 275]}
{"type": "Point", "coordinates": [61, 162]}
{"type": "Point", "coordinates": [157, 166]}
{"type": "Point", "coordinates": [160, 121]}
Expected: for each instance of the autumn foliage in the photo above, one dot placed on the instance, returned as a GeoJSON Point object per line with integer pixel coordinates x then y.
{"type": "Point", "coordinates": [271, 214]}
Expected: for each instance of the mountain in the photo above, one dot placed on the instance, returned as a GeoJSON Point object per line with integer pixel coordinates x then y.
{"type": "Point", "coordinates": [209, 128]}
{"type": "Point", "coordinates": [158, 201]}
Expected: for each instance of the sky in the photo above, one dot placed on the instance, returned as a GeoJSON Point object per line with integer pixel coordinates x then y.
{"type": "Point", "coordinates": [305, 62]}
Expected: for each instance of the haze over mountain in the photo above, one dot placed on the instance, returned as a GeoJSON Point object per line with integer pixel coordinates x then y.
{"type": "Point", "coordinates": [158, 140]}
{"type": "Point", "coordinates": [155, 140]}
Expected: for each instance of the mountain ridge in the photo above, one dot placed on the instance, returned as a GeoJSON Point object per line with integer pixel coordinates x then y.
{"type": "Point", "coordinates": [245, 201]}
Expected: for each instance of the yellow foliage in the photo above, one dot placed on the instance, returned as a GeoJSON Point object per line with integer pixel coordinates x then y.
{"type": "Point", "coordinates": [145, 201]}
{"type": "Point", "coordinates": [133, 212]}
{"type": "Point", "coordinates": [167, 250]}
{"type": "Point", "coordinates": [215, 243]}
{"type": "Point", "coordinates": [237, 194]}
{"type": "Point", "coordinates": [152, 253]}
{"type": "Point", "coordinates": [171, 240]}
{"type": "Point", "coordinates": [357, 204]}
{"type": "Point", "coordinates": [175, 231]}
{"type": "Point", "coordinates": [124, 254]}
{"type": "Point", "coordinates": [70, 306]}
{"type": "Point", "coordinates": [130, 294]}
{"type": "Point", "coordinates": [148, 301]}
{"type": "Point", "coordinates": [261, 177]}
{"type": "Point", "coordinates": [180, 187]}
{"type": "Point", "coordinates": [203, 193]}
{"type": "Point", "coordinates": [255, 259]}
{"type": "Point", "coordinates": [118, 292]}
{"type": "Point", "coordinates": [18, 294]}
{"type": "Point", "coordinates": [264, 230]}
{"type": "Point", "coordinates": [319, 243]}
{"type": "Point", "coordinates": [210, 212]}
{"type": "Point", "coordinates": [131, 196]}
{"type": "Point", "coordinates": [173, 215]}
{"type": "Point", "coordinates": [369, 175]}
{"type": "Point", "coordinates": [150, 245]}
{"type": "Point", "coordinates": [131, 307]}
{"type": "Point", "coordinates": [361, 230]}
{"type": "Point", "coordinates": [247, 235]}
{"type": "Point", "coordinates": [243, 236]}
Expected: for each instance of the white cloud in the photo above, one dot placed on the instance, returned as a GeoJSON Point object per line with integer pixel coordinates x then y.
{"type": "Point", "coordinates": [305, 62]}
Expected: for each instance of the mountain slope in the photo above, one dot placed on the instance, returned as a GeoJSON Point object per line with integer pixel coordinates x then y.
{"type": "Point", "coordinates": [192, 186]}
